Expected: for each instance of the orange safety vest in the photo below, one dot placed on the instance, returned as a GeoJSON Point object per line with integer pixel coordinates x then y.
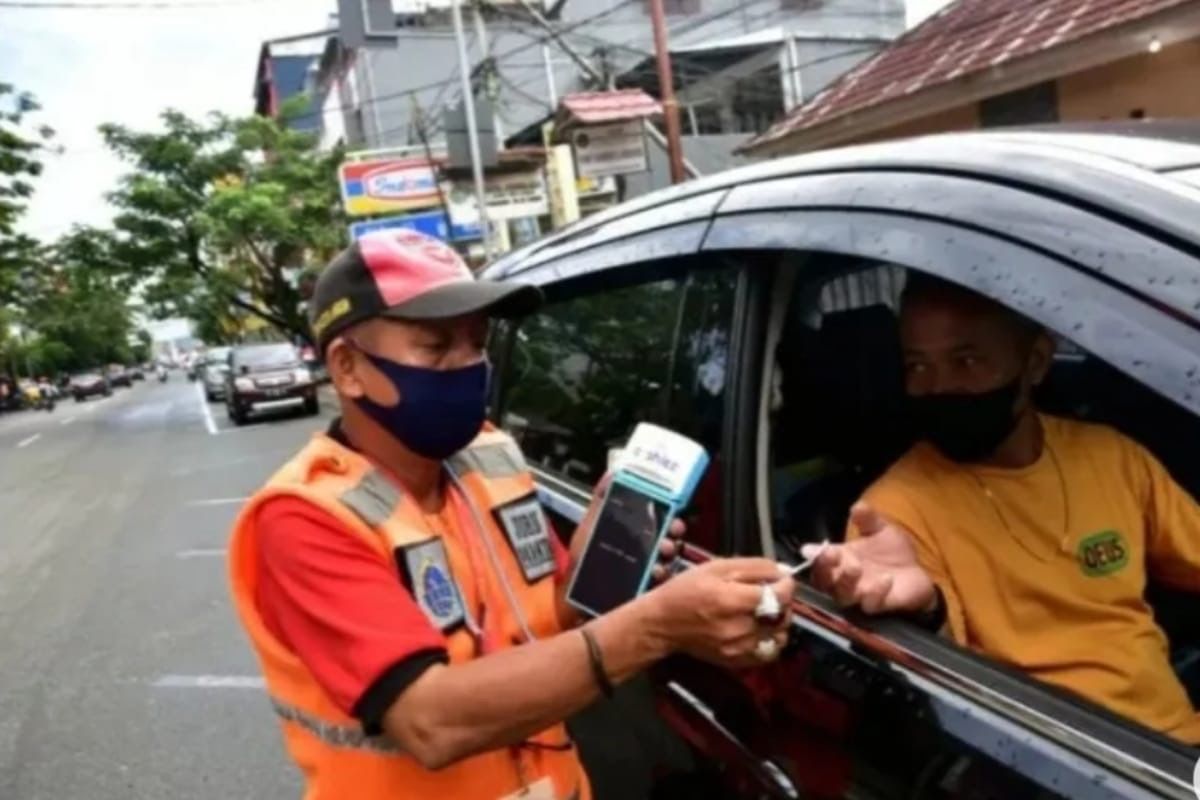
{"type": "Point", "coordinates": [504, 561]}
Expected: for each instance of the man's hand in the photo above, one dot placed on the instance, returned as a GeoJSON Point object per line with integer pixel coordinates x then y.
{"type": "Point", "coordinates": [878, 572]}
{"type": "Point", "coordinates": [709, 611]}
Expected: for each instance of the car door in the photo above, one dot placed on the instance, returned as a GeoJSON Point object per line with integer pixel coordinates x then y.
{"type": "Point", "coordinates": [648, 342]}
{"type": "Point", "coordinates": [848, 675]}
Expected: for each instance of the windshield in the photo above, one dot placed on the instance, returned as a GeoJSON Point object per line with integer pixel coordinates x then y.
{"type": "Point", "coordinates": [274, 355]}
{"type": "Point", "coordinates": [218, 356]}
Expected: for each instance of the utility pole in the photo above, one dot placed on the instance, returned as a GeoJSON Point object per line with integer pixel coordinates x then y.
{"type": "Point", "coordinates": [551, 89]}
{"type": "Point", "coordinates": [490, 76]}
{"type": "Point", "coordinates": [464, 70]}
{"type": "Point", "coordinates": [666, 88]}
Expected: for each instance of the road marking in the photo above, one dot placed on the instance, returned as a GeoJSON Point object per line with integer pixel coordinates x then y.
{"type": "Point", "coordinates": [29, 441]}
{"type": "Point", "coordinates": [201, 553]}
{"type": "Point", "coordinates": [209, 422]}
{"type": "Point", "coordinates": [67, 421]}
{"type": "Point", "coordinates": [210, 682]}
{"type": "Point", "coordinates": [218, 501]}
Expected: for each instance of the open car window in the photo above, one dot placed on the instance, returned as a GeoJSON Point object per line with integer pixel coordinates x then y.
{"type": "Point", "coordinates": [837, 419]}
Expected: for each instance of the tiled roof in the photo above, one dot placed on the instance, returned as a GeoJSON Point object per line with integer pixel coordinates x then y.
{"type": "Point", "coordinates": [590, 108]}
{"type": "Point", "coordinates": [966, 37]}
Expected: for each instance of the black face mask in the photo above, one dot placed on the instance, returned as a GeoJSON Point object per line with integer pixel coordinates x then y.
{"type": "Point", "coordinates": [967, 427]}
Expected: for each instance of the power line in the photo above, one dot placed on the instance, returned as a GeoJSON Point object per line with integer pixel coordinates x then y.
{"type": "Point", "coordinates": [135, 5]}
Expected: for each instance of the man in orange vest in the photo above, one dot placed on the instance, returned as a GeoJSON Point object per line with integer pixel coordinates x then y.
{"type": "Point", "coordinates": [403, 589]}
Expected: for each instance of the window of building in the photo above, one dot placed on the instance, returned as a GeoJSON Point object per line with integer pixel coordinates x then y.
{"type": "Point", "coordinates": [1032, 104]}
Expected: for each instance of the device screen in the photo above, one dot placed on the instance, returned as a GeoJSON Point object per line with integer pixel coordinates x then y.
{"type": "Point", "coordinates": [621, 549]}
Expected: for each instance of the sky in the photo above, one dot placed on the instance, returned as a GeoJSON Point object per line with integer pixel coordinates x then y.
{"type": "Point", "coordinates": [92, 66]}
{"type": "Point", "coordinates": [89, 66]}
{"type": "Point", "coordinates": [918, 10]}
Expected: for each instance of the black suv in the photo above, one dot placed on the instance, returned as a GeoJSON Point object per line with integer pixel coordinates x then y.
{"type": "Point", "coordinates": [268, 377]}
{"type": "Point", "coordinates": [755, 311]}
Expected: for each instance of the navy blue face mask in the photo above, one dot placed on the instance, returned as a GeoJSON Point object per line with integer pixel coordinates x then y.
{"type": "Point", "coordinates": [440, 411]}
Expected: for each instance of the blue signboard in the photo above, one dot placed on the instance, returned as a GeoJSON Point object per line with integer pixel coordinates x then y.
{"type": "Point", "coordinates": [431, 223]}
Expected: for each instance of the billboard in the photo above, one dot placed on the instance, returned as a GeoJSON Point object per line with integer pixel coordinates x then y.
{"type": "Point", "coordinates": [432, 223]}
{"type": "Point", "coordinates": [384, 186]}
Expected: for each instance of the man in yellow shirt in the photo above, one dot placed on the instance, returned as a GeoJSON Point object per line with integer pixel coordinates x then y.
{"type": "Point", "coordinates": [1030, 538]}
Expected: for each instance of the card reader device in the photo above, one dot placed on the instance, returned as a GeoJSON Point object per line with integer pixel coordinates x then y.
{"type": "Point", "coordinates": [653, 478]}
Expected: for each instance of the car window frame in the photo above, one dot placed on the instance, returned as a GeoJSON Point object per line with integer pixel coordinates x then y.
{"type": "Point", "coordinates": [808, 231]}
{"type": "Point", "coordinates": [565, 496]}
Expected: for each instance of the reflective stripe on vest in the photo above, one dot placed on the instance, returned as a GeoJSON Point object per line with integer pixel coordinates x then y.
{"type": "Point", "coordinates": [373, 499]}
{"type": "Point", "coordinates": [334, 735]}
{"type": "Point", "coordinates": [501, 460]}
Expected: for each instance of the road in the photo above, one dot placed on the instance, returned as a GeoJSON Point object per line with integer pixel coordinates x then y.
{"type": "Point", "coordinates": [123, 672]}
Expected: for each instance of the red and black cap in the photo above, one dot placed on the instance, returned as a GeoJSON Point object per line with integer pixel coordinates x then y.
{"type": "Point", "coordinates": [406, 275]}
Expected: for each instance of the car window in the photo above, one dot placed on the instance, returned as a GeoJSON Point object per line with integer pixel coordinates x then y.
{"type": "Point", "coordinates": [584, 371]}
{"type": "Point", "coordinates": [219, 355]}
{"type": "Point", "coordinates": [838, 420]}
{"type": "Point", "coordinates": [281, 355]}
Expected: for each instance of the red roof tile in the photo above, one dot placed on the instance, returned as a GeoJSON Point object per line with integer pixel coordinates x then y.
{"type": "Point", "coordinates": [966, 37]}
{"type": "Point", "coordinates": [590, 108]}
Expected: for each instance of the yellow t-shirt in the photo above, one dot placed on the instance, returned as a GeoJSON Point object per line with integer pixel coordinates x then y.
{"type": "Point", "coordinates": [1045, 567]}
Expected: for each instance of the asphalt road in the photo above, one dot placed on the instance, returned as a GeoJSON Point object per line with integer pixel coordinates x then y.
{"type": "Point", "coordinates": [123, 672]}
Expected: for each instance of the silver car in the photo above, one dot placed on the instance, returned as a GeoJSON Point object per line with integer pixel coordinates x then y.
{"type": "Point", "coordinates": [213, 371]}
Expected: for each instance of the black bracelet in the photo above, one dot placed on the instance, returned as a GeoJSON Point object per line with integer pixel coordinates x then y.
{"type": "Point", "coordinates": [597, 660]}
{"type": "Point", "coordinates": [934, 619]}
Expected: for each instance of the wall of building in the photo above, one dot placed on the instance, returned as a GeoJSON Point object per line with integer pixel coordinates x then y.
{"type": "Point", "coordinates": [961, 118]}
{"type": "Point", "coordinates": [1162, 84]}
{"type": "Point", "coordinates": [422, 62]}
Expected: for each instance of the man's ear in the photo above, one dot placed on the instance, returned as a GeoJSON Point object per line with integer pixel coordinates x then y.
{"type": "Point", "coordinates": [1041, 357]}
{"type": "Point", "coordinates": [340, 360]}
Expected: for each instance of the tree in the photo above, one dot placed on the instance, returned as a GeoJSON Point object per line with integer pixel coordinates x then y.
{"type": "Point", "coordinates": [75, 308]}
{"type": "Point", "coordinates": [20, 164]}
{"type": "Point", "coordinates": [221, 216]}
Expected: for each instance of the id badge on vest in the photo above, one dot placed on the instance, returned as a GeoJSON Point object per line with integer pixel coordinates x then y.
{"type": "Point", "coordinates": [427, 570]}
{"type": "Point", "coordinates": [524, 525]}
{"type": "Point", "coordinates": [538, 790]}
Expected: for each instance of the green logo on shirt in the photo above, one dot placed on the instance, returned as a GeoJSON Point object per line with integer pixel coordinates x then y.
{"type": "Point", "coordinates": [1103, 554]}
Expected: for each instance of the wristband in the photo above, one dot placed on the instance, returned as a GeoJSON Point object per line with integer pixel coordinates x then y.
{"type": "Point", "coordinates": [596, 658]}
{"type": "Point", "coordinates": [935, 618]}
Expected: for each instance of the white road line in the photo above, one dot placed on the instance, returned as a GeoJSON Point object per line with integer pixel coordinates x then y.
{"type": "Point", "coordinates": [209, 682]}
{"type": "Point", "coordinates": [218, 501]}
{"type": "Point", "coordinates": [209, 422]}
{"type": "Point", "coordinates": [29, 441]}
{"type": "Point", "coordinates": [67, 421]}
{"type": "Point", "coordinates": [201, 553]}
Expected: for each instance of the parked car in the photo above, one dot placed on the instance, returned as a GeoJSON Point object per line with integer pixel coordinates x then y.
{"type": "Point", "coordinates": [119, 376]}
{"type": "Point", "coordinates": [213, 371]}
{"type": "Point", "coordinates": [90, 384]}
{"type": "Point", "coordinates": [137, 373]}
{"type": "Point", "coordinates": [268, 377]}
{"type": "Point", "coordinates": [755, 311]}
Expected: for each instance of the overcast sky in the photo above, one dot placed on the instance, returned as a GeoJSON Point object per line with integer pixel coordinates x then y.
{"type": "Point", "coordinates": [91, 66]}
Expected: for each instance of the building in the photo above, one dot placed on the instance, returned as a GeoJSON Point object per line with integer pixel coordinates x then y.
{"type": "Point", "coordinates": [982, 64]}
{"type": "Point", "coordinates": [287, 68]}
{"type": "Point", "coordinates": [387, 78]}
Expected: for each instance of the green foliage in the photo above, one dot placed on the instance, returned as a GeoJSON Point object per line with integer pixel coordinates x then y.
{"type": "Point", "coordinates": [218, 217]}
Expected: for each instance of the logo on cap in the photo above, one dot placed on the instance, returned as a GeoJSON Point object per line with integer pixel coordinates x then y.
{"type": "Point", "coordinates": [339, 309]}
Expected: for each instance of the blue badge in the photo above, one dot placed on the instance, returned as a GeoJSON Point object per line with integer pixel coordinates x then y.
{"type": "Point", "coordinates": [432, 583]}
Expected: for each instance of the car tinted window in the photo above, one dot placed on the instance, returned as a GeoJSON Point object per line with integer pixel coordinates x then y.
{"type": "Point", "coordinates": [266, 356]}
{"type": "Point", "coordinates": [583, 372]}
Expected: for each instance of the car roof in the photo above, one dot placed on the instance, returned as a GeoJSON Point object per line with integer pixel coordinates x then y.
{"type": "Point", "coordinates": [1116, 166]}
